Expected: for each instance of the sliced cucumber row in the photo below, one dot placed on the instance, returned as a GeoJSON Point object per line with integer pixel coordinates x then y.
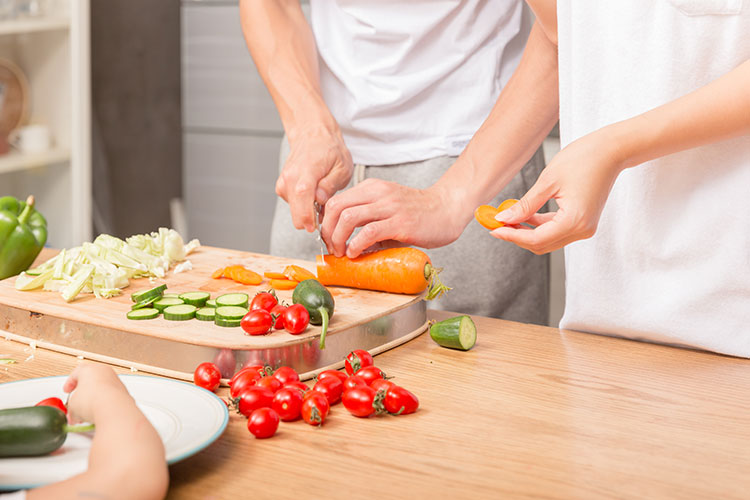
{"type": "Point", "coordinates": [226, 310]}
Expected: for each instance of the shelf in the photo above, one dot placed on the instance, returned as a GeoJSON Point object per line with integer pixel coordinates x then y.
{"type": "Point", "coordinates": [15, 161]}
{"type": "Point", "coordinates": [30, 25]}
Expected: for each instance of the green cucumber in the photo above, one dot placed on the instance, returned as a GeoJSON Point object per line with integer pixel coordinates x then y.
{"type": "Point", "coordinates": [319, 303]}
{"type": "Point", "coordinates": [34, 431]}
{"type": "Point", "coordinates": [165, 302]}
{"type": "Point", "coordinates": [206, 314]}
{"type": "Point", "coordinates": [455, 333]}
{"type": "Point", "coordinates": [173, 295]}
{"type": "Point", "coordinates": [180, 312]}
{"type": "Point", "coordinates": [232, 299]}
{"type": "Point", "coordinates": [145, 303]}
{"type": "Point", "coordinates": [157, 291]}
{"type": "Point", "coordinates": [146, 313]}
{"type": "Point", "coordinates": [231, 312]}
{"type": "Point", "coordinates": [211, 303]}
{"type": "Point", "coordinates": [227, 322]}
{"type": "Point", "coordinates": [197, 299]}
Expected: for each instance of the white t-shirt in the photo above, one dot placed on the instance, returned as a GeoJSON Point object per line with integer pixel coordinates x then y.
{"type": "Point", "coordinates": [412, 80]}
{"type": "Point", "coordinates": [670, 262]}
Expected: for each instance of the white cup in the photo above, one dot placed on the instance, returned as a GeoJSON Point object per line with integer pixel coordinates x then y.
{"type": "Point", "coordinates": [31, 139]}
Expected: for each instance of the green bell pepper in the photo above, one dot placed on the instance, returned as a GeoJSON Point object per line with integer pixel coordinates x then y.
{"type": "Point", "coordinates": [23, 232]}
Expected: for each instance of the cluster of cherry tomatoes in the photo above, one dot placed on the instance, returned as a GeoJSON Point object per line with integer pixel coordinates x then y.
{"type": "Point", "coordinates": [267, 396]}
{"type": "Point", "coordinates": [266, 313]}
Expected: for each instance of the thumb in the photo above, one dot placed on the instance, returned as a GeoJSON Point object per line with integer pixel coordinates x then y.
{"type": "Point", "coordinates": [526, 207]}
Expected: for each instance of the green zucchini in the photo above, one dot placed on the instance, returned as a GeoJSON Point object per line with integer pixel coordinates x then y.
{"type": "Point", "coordinates": [145, 313]}
{"type": "Point", "coordinates": [197, 299]}
{"type": "Point", "coordinates": [206, 314]}
{"type": "Point", "coordinates": [319, 303]}
{"type": "Point", "coordinates": [232, 299]}
{"type": "Point", "coordinates": [179, 312]}
{"type": "Point", "coordinates": [34, 430]}
{"type": "Point", "coordinates": [455, 333]}
{"type": "Point", "coordinates": [157, 291]}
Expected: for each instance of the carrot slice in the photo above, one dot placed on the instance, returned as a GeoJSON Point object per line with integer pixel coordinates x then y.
{"type": "Point", "coordinates": [219, 273]}
{"type": "Point", "coordinates": [297, 273]}
{"type": "Point", "coordinates": [485, 214]}
{"type": "Point", "coordinates": [283, 284]}
{"type": "Point", "coordinates": [274, 276]}
{"type": "Point", "coordinates": [247, 277]}
{"type": "Point", "coordinates": [230, 271]}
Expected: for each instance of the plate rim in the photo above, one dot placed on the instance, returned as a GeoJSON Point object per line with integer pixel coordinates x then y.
{"type": "Point", "coordinates": [183, 456]}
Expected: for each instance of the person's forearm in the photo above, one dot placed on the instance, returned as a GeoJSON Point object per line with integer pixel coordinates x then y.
{"type": "Point", "coordinates": [715, 112]}
{"type": "Point", "coordinates": [282, 45]}
{"type": "Point", "coordinates": [523, 115]}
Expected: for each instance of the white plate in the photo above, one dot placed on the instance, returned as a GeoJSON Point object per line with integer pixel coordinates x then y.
{"type": "Point", "coordinates": [186, 417]}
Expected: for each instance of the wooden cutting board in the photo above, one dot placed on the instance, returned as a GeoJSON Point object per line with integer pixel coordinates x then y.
{"type": "Point", "coordinates": [98, 328]}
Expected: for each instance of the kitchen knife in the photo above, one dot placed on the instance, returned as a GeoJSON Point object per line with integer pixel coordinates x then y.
{"type": "Point", "coordinates": [317, 217]}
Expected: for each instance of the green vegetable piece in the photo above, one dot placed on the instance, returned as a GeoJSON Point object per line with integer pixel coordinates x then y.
{"type": "Point", "coordinates": [319, 303]}
{"type": "Point", "coordinates": [23, 232]}
{"type": "Point", "coordinates": [197, 299]}
{"type": "Point", "coordinates": [455, 333]}
{"type": "Point", "coordinates": [232, 299]}
{"type": "Point", "coordinates": [34, 430]}
{"type": "Point", "coordinates": [157, 291]}
{"type": "Point", "coordinates": [145, 313]}
{"type": "Point", "coordinates": [165, 302]}
{"type": "Point", "coordinates": [206, 314]}
{"type": "Point", "coordinates": [181, 312]}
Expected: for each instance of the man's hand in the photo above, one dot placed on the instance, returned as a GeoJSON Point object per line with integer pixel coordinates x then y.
{"type": "Point", "coordinates": [387, 211]}
{"type": "Point", "coordinates": [319, 164]}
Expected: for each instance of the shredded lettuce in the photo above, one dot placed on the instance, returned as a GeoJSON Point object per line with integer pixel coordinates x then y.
{"type": "Point", "coordinates": [105, 266]}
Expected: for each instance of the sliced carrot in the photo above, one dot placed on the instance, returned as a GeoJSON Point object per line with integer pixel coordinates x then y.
{"type": "Point", "coordinates": [283, 284]}
{"type": "Point", "coordinates": [274, 276]}
{"type": "Point", "coordinates": [297, 273]}
{"type": "Point", "coordinates": [485, 214]}
{"type": "Point", "coordinates": [230, 271]}
{"type": "Point", "coordinates": [247, 277]}
{"type": "Point", "coordinates": [219, 273]}
{"type": "Point", "coordinates": [396, 270]}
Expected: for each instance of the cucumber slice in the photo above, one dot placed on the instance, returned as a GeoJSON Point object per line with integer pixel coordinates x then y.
{"type": "Point", "coordinates": [173, 295]}
{"type": "Point", "coordinates": [206, 314]}
{"type": "Point", "coordinates": [157, 291]}
{"type": "Point", "coordinates": [211, 303]}
{"type": "Point", "coordinates": [227, 322]}
{"type": "Point", "coordinates": [165, 302]}
{"type": "Point", "coordinates": [181, 312]}
{"type": "Point", "coordinates": [232, 299]}
{"type": "Point", "coordinates": [145, 303]}
{"type": "Point", "coordinates": [455, 333]}
{"type": "Point", "coordinates": [230, 312]}
{"type": "Point", "coordinates": [197, 299]}
{"type": "Point", "coordinates": [146, 313]}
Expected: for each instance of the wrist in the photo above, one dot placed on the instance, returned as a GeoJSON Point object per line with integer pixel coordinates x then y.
{"type": "Point", "coordinates": [314, 122]}
{"type": "Point", "coordinates": [624, 141]}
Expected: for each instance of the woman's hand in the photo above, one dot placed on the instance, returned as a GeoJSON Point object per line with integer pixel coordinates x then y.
{"type": "Point", "coordinates": [579, 179]}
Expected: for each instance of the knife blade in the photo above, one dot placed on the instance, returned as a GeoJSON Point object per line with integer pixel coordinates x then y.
{"type": "Point", "coordinates": [317, 217]}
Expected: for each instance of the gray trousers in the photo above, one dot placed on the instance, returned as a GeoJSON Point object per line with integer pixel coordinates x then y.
{"type": "Point", "coordinates": [489, 277]}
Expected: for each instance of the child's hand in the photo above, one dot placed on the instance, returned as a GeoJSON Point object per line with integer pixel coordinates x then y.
{"type": "Point", "coordinates": [92, 384]}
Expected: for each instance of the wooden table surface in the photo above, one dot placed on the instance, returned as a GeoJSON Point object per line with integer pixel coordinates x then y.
{"type": "Point", "coordinates": [530, 412]}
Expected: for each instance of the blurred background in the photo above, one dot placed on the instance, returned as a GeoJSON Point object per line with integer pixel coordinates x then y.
{"type": "Point", "coordinates": [122, 116]}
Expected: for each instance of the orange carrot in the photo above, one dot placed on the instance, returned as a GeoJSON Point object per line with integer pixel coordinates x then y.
{"type": "Point", "coordinates": [219, 273]}
{"type": "Point", "coordinates": [485, 214]}
{"type": "Point", "coordinates": [230, 271]}
{"type": "Point", "coordinates": [397, 270]}
{"type": "Point", "coordinates": [297, 273]}
{"type": "Point", "coordinates": [274, 276]}
{"type": "Point", "coordinates": [283, 284]}
{"type": "Point", "coordinates": [247, 277]}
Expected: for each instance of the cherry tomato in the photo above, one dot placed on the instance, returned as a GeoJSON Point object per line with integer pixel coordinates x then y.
{"type": "Point", "coordinates": [354, 381]}
{"type": "Point", "coordinates": [263, 423]}
{"type": "Point", "coordinates": [331, 387]}
{"type": "Point", "coordinates": [278, 315]}
{"type": "Point", "coordinates": [399, 401]}
{"type": "Point", "coordinates": [257, 322]}
{"type": "Point", "coordinates": [381, 384]}
{"type": "Point", "coordinates": [371, 374]}
{"type": "Point", "coordinates": [54, 403]}
{"type": "Point", "coordinates": [269, 382]}
{"type": "Point", "coordinates": [285, 375]}
{"type": "Point", "coordinates": [332, 373]}
{"type": "Point", "coordinates": [253, 398]}
{"type": "Point", "coordinates": [360, 401]}
{"type": "Point", "coordinates": [208, 376]}
{"type": "Point", "coordinates": [301, 386]}
{"type": "Point", "coordinates": [356, 360]}
{"type": "Point", "coordinates": [315, 408]}
{"type": "Point", "coordinates": [264, 300]}
{"type": "Point", "coordinates": [243, 381]}
{"type": "Point", "coordinates": [255, 368]}
{"type": "Point", "coordinates": [287, 403]}
{"type": "Point", "coordinates": [296, 319]}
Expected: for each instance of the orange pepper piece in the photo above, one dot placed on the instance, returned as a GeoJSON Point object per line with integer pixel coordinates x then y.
{"type": "Point", "coordinates": [485, 214]}
{"type": "Point", "coordinates": [219, 273]}
{"type": "Point", "coordinates": [283, 284]}
{"type": "Point", "coordinates": [297, 273]}
{"type": "Point", "coordinates": [274, 276]}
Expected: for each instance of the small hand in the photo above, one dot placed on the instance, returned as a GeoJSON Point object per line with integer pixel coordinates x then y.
{"type": "Point", "coordinates": [319, 164]}
{"type": "Point", "coordinates": [579, 178]}
{"type": "Point", "coordinates": [388, 212]}
{"type": "Point", "coordinates": [89, 384]}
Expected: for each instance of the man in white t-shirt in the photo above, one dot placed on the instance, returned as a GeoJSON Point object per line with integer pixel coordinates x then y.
{"type": "Point", "coordinates": [381, 97]}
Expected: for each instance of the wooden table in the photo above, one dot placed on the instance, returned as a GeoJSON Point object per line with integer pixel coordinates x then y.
{"type": "Point", "coordinates": [529, 412]}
